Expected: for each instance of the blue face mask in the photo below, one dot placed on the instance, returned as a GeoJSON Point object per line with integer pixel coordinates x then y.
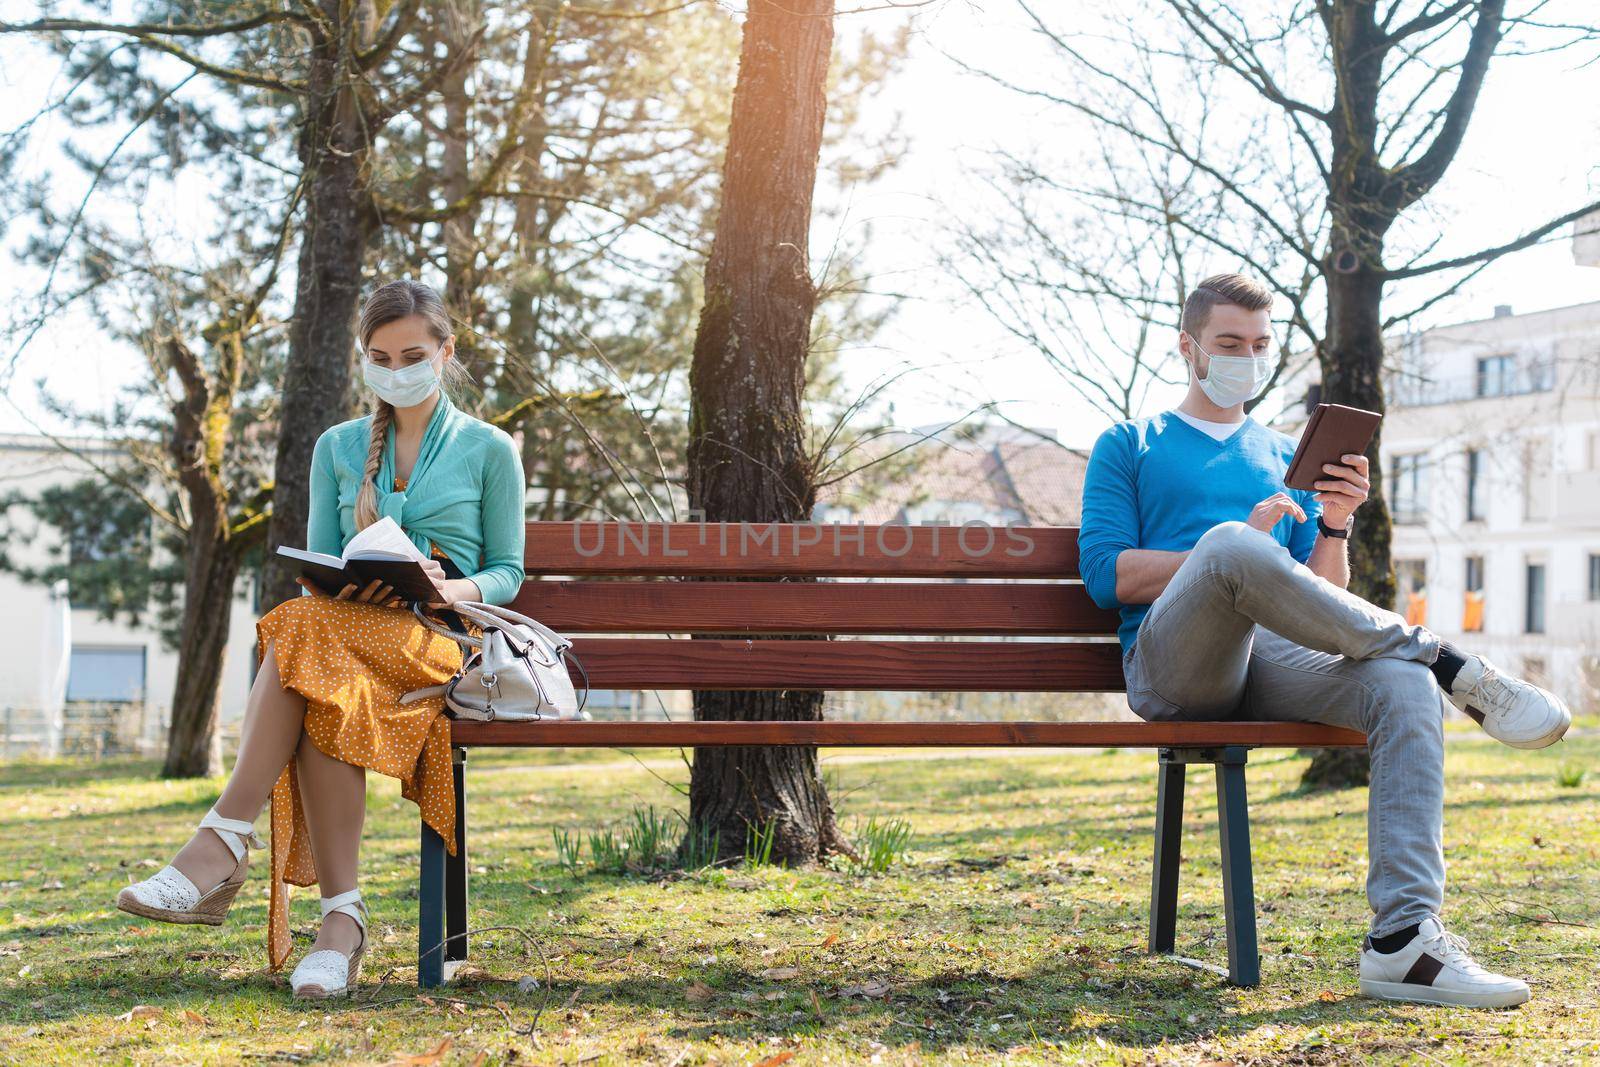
{"type": "Point", "coordinates": [404, 388]}
{"type": "Point", "coordinates": [1232, 380]}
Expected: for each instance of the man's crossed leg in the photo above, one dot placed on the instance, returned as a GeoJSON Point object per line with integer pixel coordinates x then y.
{"type": "Point", "coordinates": [1243, 630]}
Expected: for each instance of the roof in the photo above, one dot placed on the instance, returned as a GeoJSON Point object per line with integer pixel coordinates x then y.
{"type": "Point", "coordinates": [992, 473]}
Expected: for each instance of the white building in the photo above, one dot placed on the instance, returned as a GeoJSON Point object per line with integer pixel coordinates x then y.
{"type": "Point", "coordinates": [117, 691]}
{"type": "Point", "coordinates": [1491, 460]}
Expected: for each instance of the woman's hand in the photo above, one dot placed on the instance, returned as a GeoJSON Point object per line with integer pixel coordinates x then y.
{"type": "Point", "coordinates": [456, 590]}
{"type": "Point", "coordinates": [448, 591]}
{"type": "Point", "coordinates": [1265, 515]}
{"type": "Point", "coordinates": [374, 592]}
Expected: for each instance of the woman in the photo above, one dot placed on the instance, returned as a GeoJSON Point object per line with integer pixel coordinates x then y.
{"type": "Point", "coordinates": [324, 708]}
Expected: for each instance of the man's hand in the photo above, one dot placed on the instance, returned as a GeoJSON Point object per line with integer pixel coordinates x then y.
{"type": "Point", "coordinates": [1345, 490]}
{"type": "Point", "coordinates": [1265, 515]}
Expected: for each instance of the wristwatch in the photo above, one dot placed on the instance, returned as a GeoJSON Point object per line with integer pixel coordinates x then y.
{"type": "Point", "coordinates": [1329, 531]}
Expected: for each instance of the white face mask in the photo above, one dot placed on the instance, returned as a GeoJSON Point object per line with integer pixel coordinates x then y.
{"type": "Point", "coordinates": [1231, 380]}
{"type": "Point", "coordinates": [404, 388]}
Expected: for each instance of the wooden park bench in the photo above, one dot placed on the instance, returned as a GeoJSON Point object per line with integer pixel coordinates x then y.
{"type": "Point", "coordinates": [933, 596]}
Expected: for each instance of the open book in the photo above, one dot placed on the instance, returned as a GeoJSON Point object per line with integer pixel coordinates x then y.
{"type": "Point", "coordinates": [381, 551]}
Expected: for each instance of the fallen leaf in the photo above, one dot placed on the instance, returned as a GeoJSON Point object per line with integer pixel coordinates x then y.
{"type": "Point", "coordinates": [426, 1059]}
{"type": "Point", "coordinates": [875, 988]}
{"type": "Point", "coordinates": [140, 1011]}
{"type": "Point", "coordinates": [699, 992]}
{"type": "Point", "coordinates": [780, 974]}
{"type": "Point", "coordinates": [1327, 996]}
{"type": "Point", "coordinates": [773, 1061]}
{"type": "Point", "coordinates": [477, 1060]}
{"type": "Point", "coordinates": [828, 941]}
{"type": "Point", "coordinates": [195, 1017]}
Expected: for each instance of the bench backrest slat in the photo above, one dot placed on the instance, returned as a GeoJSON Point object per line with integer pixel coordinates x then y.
{"type": "Point", "coordinates": [1027, 608]}
{"type": "Point", "coordinates": [913, 666]}
{"type": "Point", "coordinates": [800, 549]}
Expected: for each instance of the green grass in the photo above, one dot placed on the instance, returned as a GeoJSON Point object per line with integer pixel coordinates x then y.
{"type": "Point", "coordinates": [1012, 932]}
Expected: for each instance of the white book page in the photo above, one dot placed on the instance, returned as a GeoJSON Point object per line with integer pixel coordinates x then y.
{"type": "Point", "coordinates": [310, 556]}
{"type": "Point", "coordinates": [382, 540]}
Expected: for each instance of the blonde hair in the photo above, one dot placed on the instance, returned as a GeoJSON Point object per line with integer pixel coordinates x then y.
{"type": "Point", "coordinates": [390, 303]}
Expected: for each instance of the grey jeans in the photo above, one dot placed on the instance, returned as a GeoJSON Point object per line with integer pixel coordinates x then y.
{"type": "Point", "coordinates": [1244, 631]}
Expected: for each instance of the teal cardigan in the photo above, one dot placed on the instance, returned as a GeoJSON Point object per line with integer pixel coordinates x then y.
{"type": "Point", "coordinates": [465, 494]}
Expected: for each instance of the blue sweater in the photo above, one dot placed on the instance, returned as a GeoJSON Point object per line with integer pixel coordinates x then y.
{"type": "Point", "coordinates": [1159, 483]}
{"type": "Point", "coordinates": [465, 493]}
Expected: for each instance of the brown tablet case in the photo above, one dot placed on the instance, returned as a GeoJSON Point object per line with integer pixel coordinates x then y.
{"type": "Point", "coordinates": [1332, 432]}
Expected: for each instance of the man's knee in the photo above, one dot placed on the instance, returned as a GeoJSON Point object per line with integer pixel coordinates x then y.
{"type": "Point", "coordinates": [1237, 544]}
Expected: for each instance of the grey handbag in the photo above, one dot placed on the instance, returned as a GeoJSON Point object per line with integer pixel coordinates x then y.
{"type": "Point", "coordinates": [515, 672]}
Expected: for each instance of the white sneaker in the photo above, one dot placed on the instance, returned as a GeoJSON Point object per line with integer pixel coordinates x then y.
{"type": "Point", "coordinates": [1511, 711]}
{"type": "Point", "coordinates": [1436, 969]}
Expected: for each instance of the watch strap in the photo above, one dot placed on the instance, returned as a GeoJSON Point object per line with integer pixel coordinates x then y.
{"type": "Point", "coordinates": [1329, 531]}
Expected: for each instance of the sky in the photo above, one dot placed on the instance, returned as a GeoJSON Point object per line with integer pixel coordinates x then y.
{"type": "Point", "coordinates": [1534, 143]}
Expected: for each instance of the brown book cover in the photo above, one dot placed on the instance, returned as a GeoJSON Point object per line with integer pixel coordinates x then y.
{"type": "Point", "coordinates": [381, 551]}
{"type": "Point", "coordinates": [1332, 432]}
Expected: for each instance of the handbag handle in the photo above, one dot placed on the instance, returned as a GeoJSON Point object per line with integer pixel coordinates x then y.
{"type": "Point", "coordinates": [464, 640]}
{"type": "Point", "coordinates": [489, 615]}
{"type": "Point", "coordinates": [493, 615]}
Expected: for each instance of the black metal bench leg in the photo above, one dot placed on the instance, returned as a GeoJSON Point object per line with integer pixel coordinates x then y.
{"type": "Point", "coordinates": [1238, 889]}
{"type": "Point", "coordinates": [1169, 847]}
{"type": "Point", "coordinates": [455, 874]}
{"type": "Point", "coordinates": [430, 910]}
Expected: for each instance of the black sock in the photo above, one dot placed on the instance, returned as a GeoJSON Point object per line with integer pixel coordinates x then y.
{"type": "Point", "coordinates": [1448, 665]}
{"type": "Point", "coordinates": [1393, 942]}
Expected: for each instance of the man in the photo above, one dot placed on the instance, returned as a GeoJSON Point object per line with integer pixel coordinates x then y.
{"type": "Point", "coordinates": [1233, 603]}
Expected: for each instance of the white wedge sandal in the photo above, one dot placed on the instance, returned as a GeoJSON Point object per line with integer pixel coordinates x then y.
{"type": "Point", "coordinates": [169, 896]}
{"type": "Point", "coordinates": [329, 973]}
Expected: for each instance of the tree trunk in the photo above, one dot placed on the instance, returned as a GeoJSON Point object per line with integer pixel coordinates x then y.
{"type": "Point", "coordinates": [1352, 373]}
{"type": "Point", "coordinates": [747, 459]}
{"type": "Point", "coordinates": [340, 230]}
{"type": "Point", "coordinates": [461, 292]}
{"type": "Point", "coordinates": [193, 748]}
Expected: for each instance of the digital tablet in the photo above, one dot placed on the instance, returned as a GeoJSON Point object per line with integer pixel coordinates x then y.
{"type": "Point", "coordinates": [1333, 432]}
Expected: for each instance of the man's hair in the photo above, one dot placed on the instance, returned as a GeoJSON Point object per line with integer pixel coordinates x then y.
{"type": "Point", "coordinates": [1237, 289]}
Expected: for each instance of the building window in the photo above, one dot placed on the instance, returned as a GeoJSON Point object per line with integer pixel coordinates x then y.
{"type": "Point", "coordinates": [1495, 374]}
{"type": "Point", "coordinates": [1406, 487]}
{"type": "Point", "coordinates": [1472, 608]}
{"type": "Point", "coordinates": [1594, 576]}
{"type": "Point", "coordinates": [1533, 618]}
{"type": "Point", "coordinates": [110, 675]}
{"type": "Point", "coordinates": [1411, 590]}
{"type": "Point", "coordinates": [1474, 486]}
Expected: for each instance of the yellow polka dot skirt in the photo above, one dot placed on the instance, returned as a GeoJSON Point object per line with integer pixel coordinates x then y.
{"type": "Point", "coordinates": [352, 661]}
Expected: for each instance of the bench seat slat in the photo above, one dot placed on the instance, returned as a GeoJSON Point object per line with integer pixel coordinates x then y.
{"type": "Point", "coordinates": [925, 666]}
{"type": "Point", "coordinates": [1031, 608]}
{"type": "Point", "coordinates": [811, 550]}
{"type": "Point", "coordinates": [893, 734]}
